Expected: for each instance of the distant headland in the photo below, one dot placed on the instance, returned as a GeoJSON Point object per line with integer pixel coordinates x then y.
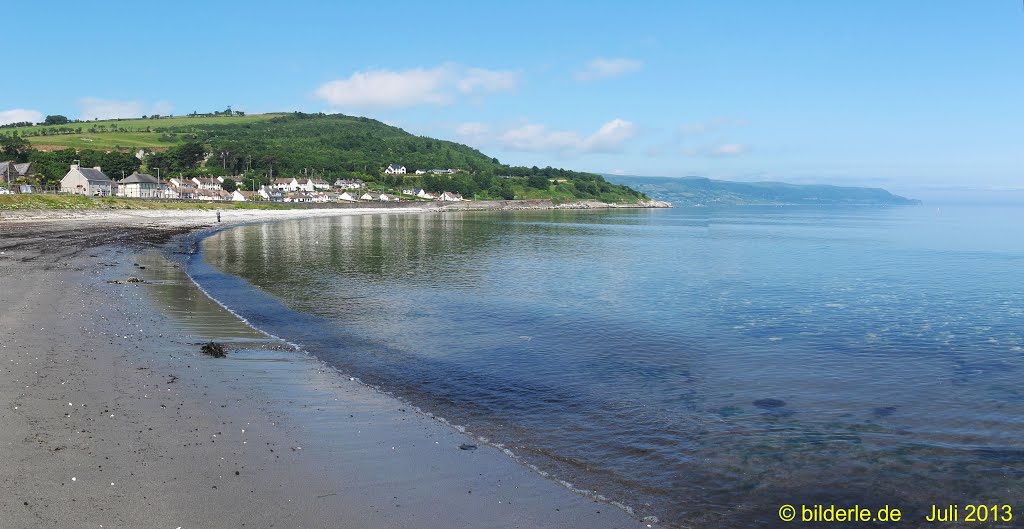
{"type": "Point", "coordinates": [700, 191]}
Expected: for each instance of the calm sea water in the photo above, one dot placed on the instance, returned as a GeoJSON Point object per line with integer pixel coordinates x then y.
{"type": "Point", "coordinates": [700, 365]}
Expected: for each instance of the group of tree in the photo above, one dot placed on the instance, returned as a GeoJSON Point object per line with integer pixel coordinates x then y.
{"type": "Point", "coordinates": [181, 158]}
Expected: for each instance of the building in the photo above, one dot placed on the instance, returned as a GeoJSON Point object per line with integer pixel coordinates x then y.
{"type": "Point", "coordinates": [212, 195]}
{"type": "Point", "coordinates": [182, 188]}
{"type": "Point", "coordinates": [448, 196]}
{"type": "Point", "coordinates": [242, 196]}
{"type": "Point", "coordinates": [421, 171]}
{"type": "Point", "coordinates": [139, 185]}
{"type": "Point", "coordinates": [349, 184]}
{"type": "Point", "coordinates": [285, 184]}
{"type": "Point", "coordinates": [208, 184]}
{"type": "Point", "coordinates": [395, 169]}
{"type": "Point", "coordinates": [24, 170]}
{"type": "Point", "coordinates": [8, 172]}
{"type": "Point", "coordinates": [86, 181]}
{"type": "Point", "coordinates": [417, 192]}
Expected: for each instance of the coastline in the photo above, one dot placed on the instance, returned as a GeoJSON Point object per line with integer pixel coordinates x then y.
{"type": "Point", "coordinates": [265, 436]}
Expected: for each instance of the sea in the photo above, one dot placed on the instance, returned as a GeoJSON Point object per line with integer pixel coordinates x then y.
{"type": "Point", "coordinates": [698, 366]}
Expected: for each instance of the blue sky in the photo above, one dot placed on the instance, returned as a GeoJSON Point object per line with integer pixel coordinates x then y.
{"type": "Point", "coordinates": [908, 95]}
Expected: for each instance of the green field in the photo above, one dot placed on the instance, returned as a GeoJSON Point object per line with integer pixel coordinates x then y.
{"type": "Point", "coordinates": [141, 124]}
{"type": "Point", "coordinates": [136, 136]}
{"type": "Point", "coordinates": [102, 141]}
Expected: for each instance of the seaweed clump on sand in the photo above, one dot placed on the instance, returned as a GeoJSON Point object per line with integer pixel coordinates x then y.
{"type": "Point", "coordinates": [214, 349]}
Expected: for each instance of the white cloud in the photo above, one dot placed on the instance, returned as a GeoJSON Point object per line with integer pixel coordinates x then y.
{"type": "Point", "coordinates": [96, 108]}
{"type": "Point", "coordinates": [408, 88]}
{"type": "Point", "coordinates": [162, 108]}
{"type": "Point", "coordinates": [610, 137]}
{"type": "Point", "coordinates": [475, 79]}
{"type": "Point", "coordinates": [473, 132]}
{"type": "Point", "coordinates": [18, 115]}
{"type": "Point", "coordinates": [531, 137]}
{"type": "Point", "coordinates": [720, 150]}
{"type": "Point", "coordinates": [729, 149]}
{"type": "Point", "coordinates": [604, 68]}
{"type": "Point", "coordinates": [534, 137]}
{"type": "Point", "coordinates": [712, 125]}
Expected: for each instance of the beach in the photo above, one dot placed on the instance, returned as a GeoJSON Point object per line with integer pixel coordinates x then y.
{"type": "Point", "coordinates": [112, 417]}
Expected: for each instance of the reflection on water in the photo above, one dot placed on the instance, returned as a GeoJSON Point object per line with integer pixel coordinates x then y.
{"type": "Point", "coordinates": [703, 366]}
{"type": "Point", "coordinates": [191, 314]}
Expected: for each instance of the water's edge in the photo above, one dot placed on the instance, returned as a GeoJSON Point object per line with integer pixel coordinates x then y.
{"type": "Point", "coordinates": [186, 251]}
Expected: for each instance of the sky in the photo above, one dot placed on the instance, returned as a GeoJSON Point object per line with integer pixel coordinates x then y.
{"type": "Point", "coordinates": [913, 96]}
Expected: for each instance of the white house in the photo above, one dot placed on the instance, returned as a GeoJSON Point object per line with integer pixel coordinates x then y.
{"type": "Point", "coordinates": [307, 185]}
{"type": "Point", "coordinates": [211, 184]}
{"type": "Point", "coordinates": [349, 184]}
{"type": "Point", "coordinates": [183, 188]}
{"type": "Point", "coordinates": [242, 196]}
{"type": "Point", "coordinates": [421, 171]}
{"type": "Point", "coordinates": [417, 192]}
{"type": "Point", "coordinates": [321, 184]}
{"type": "Point", "coordinates": [370, 195]}
{"type": "Point", "coordinates": [298, 197]}
{"type": "Point", "coordinates": [285, 184]}
{"type": "Point", "coordinates": [139, 185]}
{"type": "Point", "coordinates": [86, 181]}
{"type": "Point", "coordinates": [448, 196]}
{"type": "Point", "coordinates": [347, 197]}
{"type": "Point", "coordinates": [395, 169]}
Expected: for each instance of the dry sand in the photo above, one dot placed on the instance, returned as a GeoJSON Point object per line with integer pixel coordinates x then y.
{"type": "Point", "coordinates": [111, 417]}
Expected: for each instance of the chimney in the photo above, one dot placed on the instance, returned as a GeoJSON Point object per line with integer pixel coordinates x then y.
{"type": "Point", "coordinates": [74, 166]}
{"type": "Point", "coordinates": [97, 168]}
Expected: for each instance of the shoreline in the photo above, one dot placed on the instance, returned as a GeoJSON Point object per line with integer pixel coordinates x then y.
{"type": "Point", "coordinates": [399, 467]}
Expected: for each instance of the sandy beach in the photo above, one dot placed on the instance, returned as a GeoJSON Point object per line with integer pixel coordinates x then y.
{"type": "Point", "coordinates": [113, 418]}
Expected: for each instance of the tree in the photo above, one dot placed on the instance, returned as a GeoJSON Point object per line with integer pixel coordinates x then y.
{"type": "Point", "coordinates": [229, 185]}
{"type": "Point", "coordinates": [56, 119]}
{"type": "Point", "coordinates": [187, 155]}
{"type": "Point", "coordinates": [14, 146]}
{"type": "Point", "coordinates": [538, 182]}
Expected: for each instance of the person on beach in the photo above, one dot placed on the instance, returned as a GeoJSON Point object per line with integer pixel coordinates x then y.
{"type": "Point", "coordinates": [218, 215]}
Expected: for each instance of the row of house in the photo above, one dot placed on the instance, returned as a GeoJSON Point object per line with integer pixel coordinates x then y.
{"type": "Point", "coordinates": [446, 196]}
{"type": "Point", "coordinates": [393, 169]}
{"type": "Point", "coordinates": [91, 181]}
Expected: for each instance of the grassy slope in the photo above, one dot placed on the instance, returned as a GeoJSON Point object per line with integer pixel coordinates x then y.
{"type": "Point", "coordinates": [102, 141]}
{"type": "Point", "coordinates": [141, 124]}
{"type": "Point", "coordinates": [135, 138]}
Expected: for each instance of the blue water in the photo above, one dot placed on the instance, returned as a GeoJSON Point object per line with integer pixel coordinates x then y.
{"type": "Point", "coordinates": [700, 365]}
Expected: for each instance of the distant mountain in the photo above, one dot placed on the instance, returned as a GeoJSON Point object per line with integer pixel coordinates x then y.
{"type": "Point", "coordinates": [699, 191]}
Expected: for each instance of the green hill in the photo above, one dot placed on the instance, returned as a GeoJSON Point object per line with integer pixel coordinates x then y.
{"type": "Point", "coordinates": [699, 191]}
{"type": "Point", "coordinates": [331, 146]}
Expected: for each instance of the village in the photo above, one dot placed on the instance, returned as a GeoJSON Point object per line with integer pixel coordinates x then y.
{"type": "Point", "coordinates": [93, 182]}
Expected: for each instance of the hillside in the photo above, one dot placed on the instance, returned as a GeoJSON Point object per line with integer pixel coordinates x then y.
{"type": "Point", "coordinates": [262, 147]}
{"type": "Point", "coordinates": [701, 191]}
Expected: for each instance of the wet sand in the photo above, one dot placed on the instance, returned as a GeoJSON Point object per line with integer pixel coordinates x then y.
{"type": "Point", "coordinates": [113, 418]}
